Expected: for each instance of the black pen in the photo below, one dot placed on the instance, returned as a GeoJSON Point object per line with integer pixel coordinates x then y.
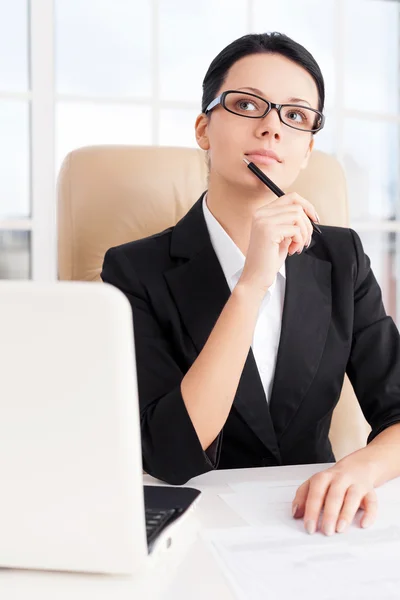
{"type": "Point", "coordinates": [273, 187]}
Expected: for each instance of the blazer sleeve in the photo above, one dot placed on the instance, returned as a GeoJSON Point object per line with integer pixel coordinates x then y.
{"type": "Point", "coordinates": [374, 362]}
{"type": "Point", "coordinates": [171, 449]}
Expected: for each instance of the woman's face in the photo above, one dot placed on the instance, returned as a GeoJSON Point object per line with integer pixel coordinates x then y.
{"type": "Point", "coordinates": [228, 137]}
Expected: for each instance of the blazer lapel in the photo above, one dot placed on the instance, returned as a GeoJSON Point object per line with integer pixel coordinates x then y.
{"type": "Point", "coordinates": [200, 291]}
{"type": "Point", "coordinates": [305, 324]}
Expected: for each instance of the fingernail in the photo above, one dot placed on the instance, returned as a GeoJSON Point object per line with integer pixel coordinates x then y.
{"type": "Point", "coordinates": [294, 511]}
{"type": "Point", "coordinates": [317, 218]}
{"type": "Point", "coordinates": [299, 251]}
{"type": "Point", "coordinates": [310, 527]}
{"type": "Point", "coordinates": [341, 526]}
{"type": "Point", "coordinates": [329, 529]}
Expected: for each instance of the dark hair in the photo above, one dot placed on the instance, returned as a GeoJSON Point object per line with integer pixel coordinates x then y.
{"type": "Point", "coordinates": [259, 43]}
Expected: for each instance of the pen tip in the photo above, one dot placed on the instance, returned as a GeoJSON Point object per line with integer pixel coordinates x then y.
{"type": "Point", "coordinates": [246, 161]}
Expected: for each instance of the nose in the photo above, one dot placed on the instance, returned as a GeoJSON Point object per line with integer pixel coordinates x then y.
{"type": "Point", "coordinates": [269, 125]}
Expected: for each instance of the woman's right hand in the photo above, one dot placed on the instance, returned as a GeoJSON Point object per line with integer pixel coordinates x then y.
{"type": "Point", "coordinates": [278, 228]}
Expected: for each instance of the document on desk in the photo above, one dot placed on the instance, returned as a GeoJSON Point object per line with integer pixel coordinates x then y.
{"type": "Point", "coordinates": [272, 563]}
{"type": "Point", "coordinates": [276, 558]}
{"type": "Point", "coordinates": [250, 485]}
{"type": "Point", "coordinates": [259, 503]}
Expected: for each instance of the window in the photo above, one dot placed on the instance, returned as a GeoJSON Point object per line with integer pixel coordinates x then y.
{"type": "Point", "coordinates": [119, 71]}
{"type": "Point", "coordinates": [15, 189]}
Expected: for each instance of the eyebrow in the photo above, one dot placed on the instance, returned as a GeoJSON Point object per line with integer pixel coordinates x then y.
{"type": "Point", "coordinates": [260, 93]}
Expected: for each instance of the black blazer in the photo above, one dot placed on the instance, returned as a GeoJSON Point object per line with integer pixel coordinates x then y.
{"type": "Point", "coordinates": [333, 322]}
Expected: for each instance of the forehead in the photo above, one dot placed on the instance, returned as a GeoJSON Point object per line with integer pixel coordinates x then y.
{"type": "Point", "coordinates": [276, 76]}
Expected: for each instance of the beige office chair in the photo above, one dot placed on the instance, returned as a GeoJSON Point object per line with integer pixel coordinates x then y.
{"type": "Point", "coordinates": [108, 195]}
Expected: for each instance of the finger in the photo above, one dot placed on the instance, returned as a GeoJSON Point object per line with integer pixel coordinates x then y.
{"type": "Point", "coordinates": [289, 208]}
{"type": "Point", "coordinates": [304, 223]}
{"type": "Point", "coordinates": [282, 232]}
{"type": "Point", "coordinates": [292, 217]}
{"type": "Point", "coordinates": [294, 197]}
{"type": "Point", "coordinates": [274, 225]}
{"type": "Point", "coordinates": [293, 210]}
{"type": "Point", "coordinates": [319, 486]}
{"type": "Point", "coordinates": [338, 501]}
{"type": "Point", "coordinates": [351, 504]}
{"type": "Point", "coordinates": [370, 505]}
{"type": "Point", "coordinates": [307, 221]}
{"type": "Point", "coordinates": [308, 208]}
{"type": "Point", "coordinates": [300, 499]}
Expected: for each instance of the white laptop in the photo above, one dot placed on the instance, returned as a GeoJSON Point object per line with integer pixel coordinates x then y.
{"type": "Point", "coordinates": [71, 484]}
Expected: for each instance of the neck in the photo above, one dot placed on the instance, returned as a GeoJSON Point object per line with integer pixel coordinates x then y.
{"type": "Point", "coordinates": [234, 208]}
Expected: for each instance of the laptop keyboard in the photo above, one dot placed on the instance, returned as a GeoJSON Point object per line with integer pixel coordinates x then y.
{"type": "Point", "coordinates": [156, 520]}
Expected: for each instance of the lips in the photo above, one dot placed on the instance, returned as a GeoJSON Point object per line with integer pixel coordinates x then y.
{"type": "Point", "coordinates": [263, 157]}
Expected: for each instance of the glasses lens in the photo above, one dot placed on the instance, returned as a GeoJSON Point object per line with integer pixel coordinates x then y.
{"type": "Point", "coordinates": [245, 105]}
{"type": "Point", "coordinates": [300, 117]}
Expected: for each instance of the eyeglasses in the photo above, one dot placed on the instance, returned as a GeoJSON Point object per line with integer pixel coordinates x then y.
{"type": "Point", "coordinates": [252, 106]}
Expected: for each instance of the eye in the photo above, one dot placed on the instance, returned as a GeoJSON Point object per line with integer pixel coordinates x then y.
{"type": "Point", "coordinates": [296, 115]}
{"type": "Point", "coordinates": [301, 117]}
{"type": "Point", "coordinates": [246, 105]}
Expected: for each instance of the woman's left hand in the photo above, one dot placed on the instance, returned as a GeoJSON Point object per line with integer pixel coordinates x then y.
{"type": "Point", "coordinates": [339, 491]}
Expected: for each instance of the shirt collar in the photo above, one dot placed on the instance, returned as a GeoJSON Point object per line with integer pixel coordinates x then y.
{"type": "Point", "coordinates": [231, 258]}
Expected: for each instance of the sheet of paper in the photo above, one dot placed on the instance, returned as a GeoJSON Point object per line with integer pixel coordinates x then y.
{"type": "Point", "coordinates": [269, 494]}
{"type": "Point", "coordinates": [390, 491]}
{"type": "Point", "coordinates": [245, 486]}
{"type": "Point", "coordinates": [254, 501]}
{"type": "Point", "coordinates": [276, 558]}
{"type": "Point", "coordinates": [260, 507]}
{"type": "Point", "coordinates": [278, 562]}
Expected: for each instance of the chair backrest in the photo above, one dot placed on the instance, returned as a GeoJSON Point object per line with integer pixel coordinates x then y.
{"type": "Point", "coordinates": [108, 195]}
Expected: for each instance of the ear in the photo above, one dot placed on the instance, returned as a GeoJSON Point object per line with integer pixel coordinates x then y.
{"type": "Point", "coordinates": [201, 131]}
{"type": "Point", "coordinates": [308, 153]}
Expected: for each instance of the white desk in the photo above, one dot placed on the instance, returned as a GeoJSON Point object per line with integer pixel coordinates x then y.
{"type": "Point", "coordinates": [194, 576]}
{"type": "Point", "coordinates": [199, 576]}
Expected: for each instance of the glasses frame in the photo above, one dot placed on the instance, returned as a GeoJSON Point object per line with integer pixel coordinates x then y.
{"type": "Point", "coordinates": [270, 105]}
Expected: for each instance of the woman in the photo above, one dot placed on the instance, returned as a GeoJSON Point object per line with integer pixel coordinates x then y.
{"type": "Point", "coordinates": [207, 297]}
